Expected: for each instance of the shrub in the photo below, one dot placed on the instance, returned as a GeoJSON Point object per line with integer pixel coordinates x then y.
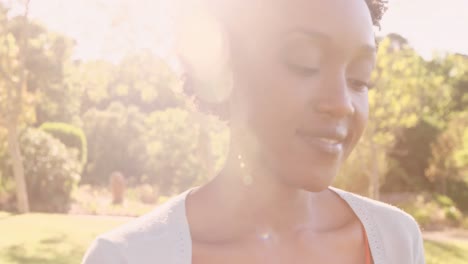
{"type": "Point", "coordinates": [422, 216]}
{"type": "Point", "coordinates": [6, 186]}
{"type": "Point", "coordinates": [115, 143]}
{"type": "Point", "coordinates": [453, 214]}
{"type": "Point", "coordinates": [464, 223]}
{"type": "Point", "coordinates": [7, 194]}
{"type": "Point", "coordinates": [444, 201]}
{"type": "Point", "coordinates": [458, 192]}
{"type": "Point", "coordinates": [449, 161]}
{"type": "Point", "coordinates": [51, 171]}
{"type": "Point", "coordinates": [148, 194]}
{"type": "Point", "coordinates": [434, 212]}
{"type": "Point", "coordinates": [71, 136]}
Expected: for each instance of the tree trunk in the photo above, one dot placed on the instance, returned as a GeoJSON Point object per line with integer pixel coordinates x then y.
{"type": "Point", "coordinates": [18, 170]}
{"type": "Point", "coordinates": [12, 123]}
{"type": "Point", "coordinates": [444, 185]}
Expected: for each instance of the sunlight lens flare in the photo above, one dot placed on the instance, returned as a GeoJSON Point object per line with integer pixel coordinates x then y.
{"type": "Point", "coordinates": [202, 45]}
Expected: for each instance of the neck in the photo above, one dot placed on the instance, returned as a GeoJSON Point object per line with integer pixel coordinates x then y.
{"type": "Point", "coordinates": [250, 191]}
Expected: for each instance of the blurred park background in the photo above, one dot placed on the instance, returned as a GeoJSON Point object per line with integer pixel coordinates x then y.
{"type": "Point", "coordinates": [95, 128]}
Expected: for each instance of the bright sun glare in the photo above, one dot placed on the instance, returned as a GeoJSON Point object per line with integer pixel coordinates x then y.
{"type": "Point", "coordinates": [109, 28]}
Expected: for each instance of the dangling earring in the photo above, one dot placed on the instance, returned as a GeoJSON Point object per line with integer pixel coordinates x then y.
{"type": "Point", "coordinates": [245, 174]}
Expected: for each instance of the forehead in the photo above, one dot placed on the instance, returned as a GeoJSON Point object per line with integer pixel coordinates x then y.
{"type": "Point", "coordinates": [346, 23]}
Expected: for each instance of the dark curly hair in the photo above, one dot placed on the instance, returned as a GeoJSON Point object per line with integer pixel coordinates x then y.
{"type": "Point", "coordinates": [377, 9]}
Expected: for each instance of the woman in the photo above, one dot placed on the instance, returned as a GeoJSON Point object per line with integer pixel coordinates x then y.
{"type": "Point", "coordinates": [300, 74]}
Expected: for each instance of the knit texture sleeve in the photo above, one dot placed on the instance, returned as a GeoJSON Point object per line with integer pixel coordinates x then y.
{"type": "Point", "coordinates": [419, 248]}
{"type": "Point", "coordinates": [103, 251]}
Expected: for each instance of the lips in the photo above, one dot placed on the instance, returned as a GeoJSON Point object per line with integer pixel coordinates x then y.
{"type": "Point", "coordinates": [327, 142]}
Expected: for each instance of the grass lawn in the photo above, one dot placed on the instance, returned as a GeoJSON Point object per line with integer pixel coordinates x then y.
{"type": "Point", "coordinates": [62, 239]}
{"type": "Point", "coordinates": [454, 252]}
{"type": "Point", "coordinates": [49, 238]}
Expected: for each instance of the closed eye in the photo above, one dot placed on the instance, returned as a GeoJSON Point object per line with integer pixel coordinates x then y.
{"type": "Point", "coordinates": [359, 85]}
{"type": "Point", "coordinates": [302, 70]}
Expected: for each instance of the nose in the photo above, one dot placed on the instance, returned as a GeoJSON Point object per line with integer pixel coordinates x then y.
{"type": "Point", "coordinates": [333, 97]}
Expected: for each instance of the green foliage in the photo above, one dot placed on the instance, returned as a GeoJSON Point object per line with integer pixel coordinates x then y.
{"type": "Point", "coordinates": [448, 160]}
{"type": "Point", "coordinates": [47, 57]}
{"type": "Point", "coordinates": [173, 162]}
{"type": "Point", "coordinates": [7, 193]}
{"type": "Point", "coordinates": [409, 158]}
{"type": "Point", "coordinates": [173, 148]}
{"type": "Point", "coordinates": [147, 81]}
{"type": "Point", "coordinates": [401, 85]}
{"type": "Point", "coordinates": [47, 60]}
{"type": "Point", "coordinates": [93, 200]}
{"type": "Point", "coordinates": [454, 69]}
{"type": "Point", "coordinates": [410, 104]}
{"type": "Point", "coordinates": [434, 211]}
{"type": "Point", "coordinates": [443, 200]}
{"type": "Point", "coordinates": [136, 118]}
{"type": "Point", "coordinates": [354, 175]}
{"type": "Point", "coordinates": [140, 79]}
{"type": "Point", "coordinates": [3, 149]}
{"type": "Point", "coordinates": [7, 186]}
{"type": "Point", "coordinates": [397, 95]}
{"type": "Point", "coordinates": [51, 171]}
{"type": "Point", "coordinates": [73, 137]}
{"type": "Point", "coordinates": [115, 143]}
{"type": "Point", "coordinates": [10, 72]}
{"type": "Point", "coordinates": [457, 190]}
{"type": "Point", "coordinates": [397, 178]}
{"type": "Point", "coordinates": [452, 213]}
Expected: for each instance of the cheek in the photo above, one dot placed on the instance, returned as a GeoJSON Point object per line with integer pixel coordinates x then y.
{"type": "Point", "coordinates": [362, 111]}
{"type": "Point", "coordinates": [360, 118]}
{"type": "Point", "coordinates": [278, 101]}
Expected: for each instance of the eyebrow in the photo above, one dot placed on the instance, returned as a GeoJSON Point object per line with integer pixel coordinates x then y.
{"type": "Point", "coordinates": [363, 50]}
{"type": "Point", "coordinates": [316, 35]}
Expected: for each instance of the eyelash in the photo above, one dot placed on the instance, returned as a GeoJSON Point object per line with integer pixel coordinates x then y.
{"type": "Point", "coordinates": [301, 70]}
{"type": "Point", "coordinates": [308, 72]}
{"type": "Point", "coordinates": [359, 85]}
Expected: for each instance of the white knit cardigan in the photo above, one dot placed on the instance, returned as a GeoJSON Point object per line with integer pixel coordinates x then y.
{"type": "Point", "coordinates": [163, 236]}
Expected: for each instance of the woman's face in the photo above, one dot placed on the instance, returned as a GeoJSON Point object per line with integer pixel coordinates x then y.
{"type": "Point", "coordinates": [302, 69]}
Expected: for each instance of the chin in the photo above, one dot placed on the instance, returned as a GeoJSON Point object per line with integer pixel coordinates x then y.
{"type": "Point", "coordinates": [316, 187]}
{"type": "Point", "coordinates": [315, 181]}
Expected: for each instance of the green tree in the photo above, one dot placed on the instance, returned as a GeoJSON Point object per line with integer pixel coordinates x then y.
{"type": "Point", "coordinates": [14, 92]}
{"type": "Point", "coordinates": [52, 171]}
{"type": "Point", "coordinates": [71, 136]}
{"type": "Point", "coordinates": [114, 142]}
{"type": "Point", "coordinates": [404, 93]}
{"type": "Point", "coordinates": [140, 79]}
{"type": "Point", "coordinates": [173, 162]}
{"type": "Point", "coordinates": [449, 160]}
{"type": "Point", "coordinates": [32, 69]}
{"type": "Point", "coordinates": [444, 93]}
{"type": "Point", "coordinates": [409, 158]}
{"type": "Point", "coordinates": [454, 69]}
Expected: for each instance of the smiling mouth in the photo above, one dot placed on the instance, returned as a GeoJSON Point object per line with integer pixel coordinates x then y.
{"type": "Point", "coordinates": [326, 144]}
